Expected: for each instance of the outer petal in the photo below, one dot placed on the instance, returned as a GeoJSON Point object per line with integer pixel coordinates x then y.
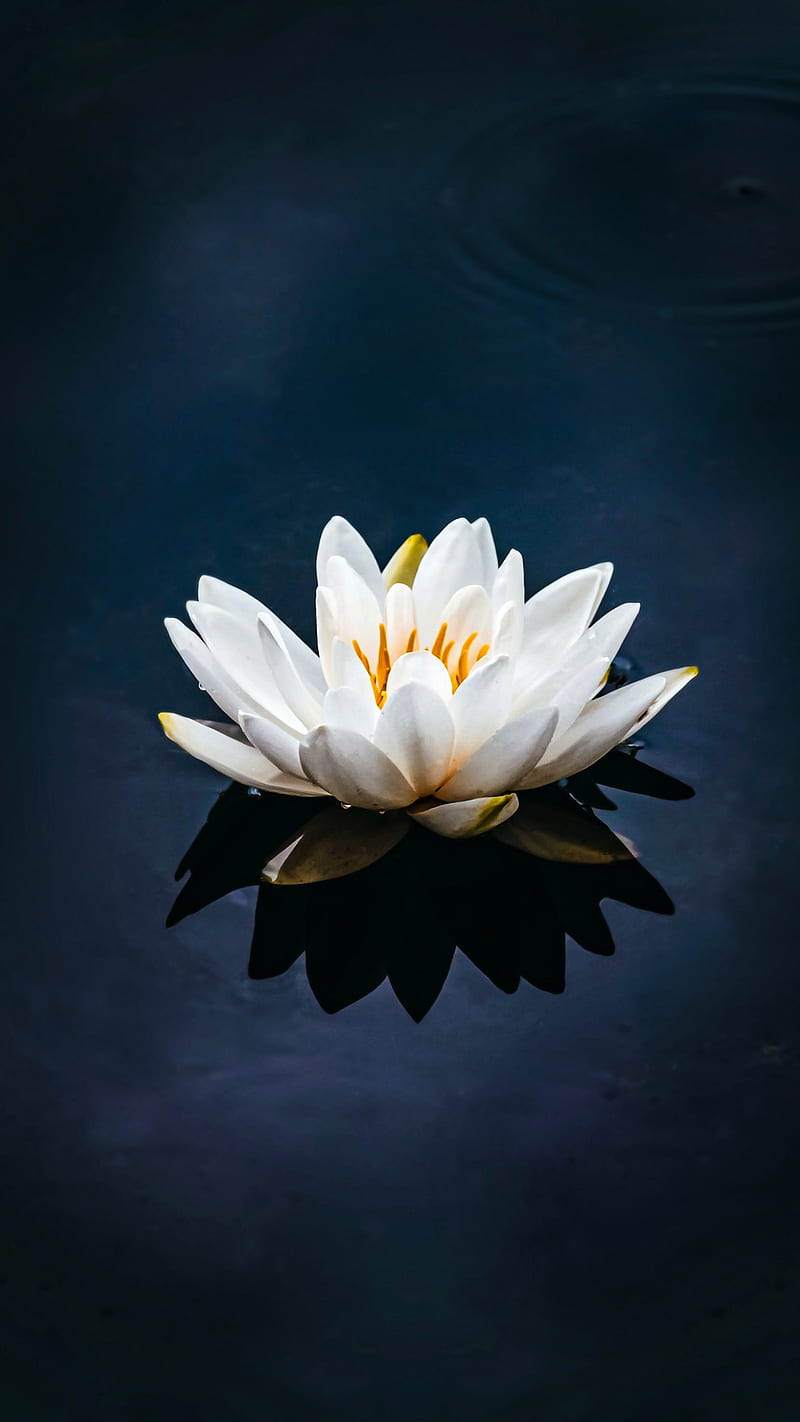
{"type": "Point", "coordinates": [569, 690]}
{"type": "Point", "coordinates": [354, 770]}
{"type": "Point", "coordinates": [555, 617]}
{"type": "Point", "coordinates": [340, 539]}
{"type": "Point", "coordinates": [416, 731]}
{"type": "Point", "coordinates": [509, 583]}
{"type": "Point", "coordinates": [326, 629]}
{"type": "Point", "coordinates": [604, 723]}
{"type": "Point", "coordinates": [247, 608]}
{"type": "Point", "coordinates": [452, 561]}
{"type": "Point", "coordinates": [503, 762]}
{"type": "Point", "coordinates": [306, 704]}
{"type": "Point", "coordinates": [203, 664]}
{"type": "Point", "coordinates": [420, 666]}
{"type": "Point", "coordinates": [675, 682]}
{"type": "Point", "coordinates": [236, 646]}
{"type": "Point", "coordinates": [275, 744]}
{"type": "Point", "coordinates": [465, 818]}
{"type": "Point", "coordinates": [481, 705]}
{"type": "Point", "coordinates": [231, 757]}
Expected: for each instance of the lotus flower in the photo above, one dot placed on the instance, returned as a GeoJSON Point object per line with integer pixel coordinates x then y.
{"type": "Point", "coordinates": [437, 688]}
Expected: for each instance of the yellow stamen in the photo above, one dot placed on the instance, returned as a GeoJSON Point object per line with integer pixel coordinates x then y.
{"type": "Point", "coordinates": [482, 653]}
{"type": "Point", "coordinates": [446, 653]}
{"type": "Point", "coordinates": [463, 668]}
{"type": "Point", "coordinates": [439, 640]}
{"type": "Point", "coordinates": [412, 642]}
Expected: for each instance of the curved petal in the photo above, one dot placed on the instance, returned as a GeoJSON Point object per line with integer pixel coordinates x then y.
{"type": "Point", "coordinates": [346, 707]}
{"type": "Point", "coordinates": [468, 613]}
{"type": "Point", "coordinates": [557, 615]}
{"type": "Point", "coordinates": [248, 608]}
{"type": "Point", "coordinates": [326, 630]}
{"type": "Point", "coordinates": [211, 678]}
{"type": "Point", "coordinates": [466, 818]}
{"type": "Point", "coordinates": [481, 705]}
{"type": "Point", "coordinates": [486, 550]}
{"type": "Point", "coordinates": [452, 561]}
{"type": "Point", "coordinates": [503, 762]}
{"type": "Point", "coordinates": [231, 757]}
{"type": "Point", "coordinates": [403, 564]}
{"type": "Point", "coordinates": [358, 615]}
{"type": "Point", "coordinates": [601, 726]}
{"type": "Point", "coordinates": [275, 744]}
{"type": "Point", "coordinates": [340, 539]}
{"type": "Point", "coordinates": [416, 731]}
{"type": "Point", "coordinates": [420, 666]}
{"type": "Point", "coordinates": [332, 844]}
{"type": "Point", "coordinates": [509, 582]}
{"type": "Point", "coordinates": [675, 681]}
{"type": "Point", "coordinates": [354, 770]}
{"type": "Point", "coordinates": [306, 704]}
{"type": "Point", "coordinates": [237, 648]}
{"type": "Point", "coordinates": [507, 630]}
{"type": "Point", "coordinates": [568, 690]}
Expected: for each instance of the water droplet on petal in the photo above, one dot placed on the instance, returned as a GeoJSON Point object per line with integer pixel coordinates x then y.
{"type": "Point", "coordinates": [251, 790]}
{"type": "Point", "coordinates": [345, 806]}
{"type": "Point", "coordinates": [200, 685]}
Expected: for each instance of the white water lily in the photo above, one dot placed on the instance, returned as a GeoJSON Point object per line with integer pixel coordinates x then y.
{"type": "Point", "coordinates": [438, 689]}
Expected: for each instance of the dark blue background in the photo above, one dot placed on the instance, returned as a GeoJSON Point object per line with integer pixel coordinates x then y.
{"type": "Point", "coordinates": [400, 262]}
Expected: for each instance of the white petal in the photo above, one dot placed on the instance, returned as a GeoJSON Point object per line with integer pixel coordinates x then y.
{"type": "Point", "coordinates": [481, 705]}
{"type": "Point", "coordinates": [452, 561]}
{"type": "Point", "coordinates": [420, 666]}
{"type": "Point", "coordinates": [509, 583]}
{"type": "Point", "coordinates": [606, 571]}
{"type": "Point", "coordinates": [487, 550]}
{"type": "Point", "coordinates": [232, 757]}
{"type": "Point", "coordinates": [326, 629]}
{"type": "Point", "coordinates": [503, 762]}
{"type": "Point", "coordinates": [277, 745]}
{"type": "Point", "coordinates": [601, 726]}
{"type": "Point", "coordinates": [237, 648]}
{"type": "Point", "coordinates": [507, 630]}
{"type": "Point", "coordinates": [416, 731]}
{"type": "Point", "coordinates": [358, 615]}
{"type": "Point", "coordinates": [340, 539]}
{"type": "Point", "coordinates": [247, 609]}
{"type": "Point", "coordinates": [468, 613]}
{"type": "Point", "coordinates": [605, 637]}
{"type": "Point", "coordinates": [557, 615]}
{"type": "Point", "coordinates": [306, 704]}
{"type": "Point", "coordinates": [347, 669]}
{"type": "Point", "coordinates": [400, 618]}
{"type": "Point", "coordinates": [347, 708]}
{"type": "Point", "coordinates": [569, 689]}
{"type": "Point", "coordinates": [201, 663]}
{"type": "Point", "coordinates": [465, 818]}
{"type": "Point", "coordinates": [675, 681]}
{"type": "Point", "coordinates": [354, 770]}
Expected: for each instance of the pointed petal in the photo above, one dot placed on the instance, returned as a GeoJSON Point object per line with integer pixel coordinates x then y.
{"type": "Point", "coordinates": [326, 629]}
{"type": "Point", "coordinates": [503, 762]}
{"type": "Point", "coordinates": [452, 561]}
{"type": "Point", "coordinates": [231, 757]}
{"type": "Point", "coordinates": [420, 666]}
{"type": "Point", "coordinates": [507, 630]}
{"type": "Point", "coordinates": [567, 690]}
{"type": "Point", "coordinates": [601, 726]}
{"type": "Point", "coordinates": [466, 818]}
{"type": "Point", "coordinates": [402, 566]}
{"type": "Point", "coordinates": [340, 539]}
{"type": "Point", "coordinates": [675, 681]}
{"type": "Point", "coordinates": [354, 770]}
{"type": "Point", "coordinates": [560, 612]}
{"type": "Point", "coordinates": [509, 582]}
{"type": "Point", "coordinates": [306, 704]}
{"type": "Point", "coordinates": [416, 731]}
{"type": "Point", "coordinates": [468, 613]}
{"type": "Point", "coordinates": [202, 664]}
{"type": "Point", "coordinates": [236, 646]}
{"type": "Point", "coordinates": [248, 609]}
{"type": "Point", "coordinates": [481, 705]}
{"type": "Point", "coordinates": [487, 551]}
{"type": "Point", "coordinates": [334, 843]}
{"type": "Point", "coordinates": [275, 744]}
{"type": "Point", "coordinates": [358, 615]}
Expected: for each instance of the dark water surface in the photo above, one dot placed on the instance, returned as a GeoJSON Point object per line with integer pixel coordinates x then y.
{"type": "Point", "coordinates": [402, 263]}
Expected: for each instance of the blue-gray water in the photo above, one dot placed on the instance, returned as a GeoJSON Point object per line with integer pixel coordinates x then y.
{"type": "Point", "coordinates": [399, 262]}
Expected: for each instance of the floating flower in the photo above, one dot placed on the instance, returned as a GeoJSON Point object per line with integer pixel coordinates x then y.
{"type": "Point", "coordinates": [438, 689]}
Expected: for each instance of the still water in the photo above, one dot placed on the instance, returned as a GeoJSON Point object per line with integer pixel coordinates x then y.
{"type": "Point", "coordinates": [401, 263]}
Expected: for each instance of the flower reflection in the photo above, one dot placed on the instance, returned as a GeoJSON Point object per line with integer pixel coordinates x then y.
{"type": "Point", "coordinates": [507, 899]}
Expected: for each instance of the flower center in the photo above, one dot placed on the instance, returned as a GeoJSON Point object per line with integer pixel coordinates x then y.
{"type": "Point", "coordinates": [462, 663]}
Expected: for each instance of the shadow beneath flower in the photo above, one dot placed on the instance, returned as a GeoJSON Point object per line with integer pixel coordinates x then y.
{"type": "Point", "coordinates": [507, 899]}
